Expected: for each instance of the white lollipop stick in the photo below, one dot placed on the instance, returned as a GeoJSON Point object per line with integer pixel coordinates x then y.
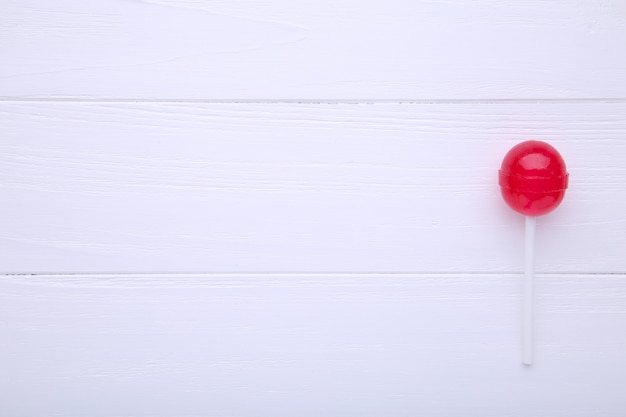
{"type": "Point", "coordinates": [527, 332]}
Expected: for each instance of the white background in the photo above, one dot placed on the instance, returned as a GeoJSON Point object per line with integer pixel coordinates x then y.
{"type": "Point", "coordinates": [246, 208]}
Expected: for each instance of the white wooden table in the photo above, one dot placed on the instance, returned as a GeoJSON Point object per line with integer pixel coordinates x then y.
{"type": "Point", "coordinates": [291, 208]}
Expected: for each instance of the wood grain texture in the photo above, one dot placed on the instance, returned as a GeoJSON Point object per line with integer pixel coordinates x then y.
{"type": "Point", "coordinates": [157, 187]}
{"type": "Point", "coordinates": [309, 345]}
{"type": "Point", "coordinates": [283, 49]}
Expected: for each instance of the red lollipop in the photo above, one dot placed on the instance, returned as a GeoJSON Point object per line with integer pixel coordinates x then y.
{"type": "Point", "coordinates": [532, 180]}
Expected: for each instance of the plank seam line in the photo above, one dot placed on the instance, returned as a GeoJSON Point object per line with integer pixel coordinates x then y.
{"type": "Point", "coordinates": [298, 274]}
{"type": "Point", "coordinates": [313, 101]}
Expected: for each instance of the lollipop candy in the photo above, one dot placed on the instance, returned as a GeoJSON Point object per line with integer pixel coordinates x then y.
{"type": "Point", "coordinates": [533, 180]}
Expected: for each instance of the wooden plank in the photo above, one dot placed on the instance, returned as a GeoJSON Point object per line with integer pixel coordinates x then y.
{"type": "Point", "coordinates": [166, 187]}
{"type": "Point", "coordinates": [309, 345]}
{"type": "Point", "coordinates": [281, 49]}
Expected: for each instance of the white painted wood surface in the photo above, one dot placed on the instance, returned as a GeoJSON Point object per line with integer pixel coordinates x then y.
{"type": "Point", "coordinates": [244, 208]}
{"type": "Point", "coordinates": [170, 187]}
{"type": "Point", "coordinates": [309, 345]}
{"type": "Point", "coordinates": [285, 49]}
